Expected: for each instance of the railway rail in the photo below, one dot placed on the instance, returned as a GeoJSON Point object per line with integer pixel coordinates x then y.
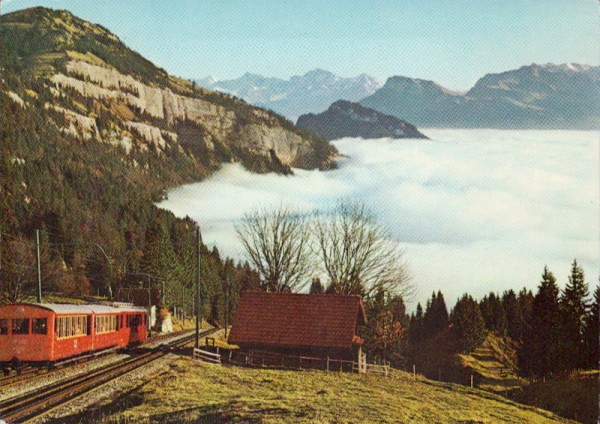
{"type": "Point", "coordinates": [25, 408]}
{"type": "Point", "coordinates": [32, 373]}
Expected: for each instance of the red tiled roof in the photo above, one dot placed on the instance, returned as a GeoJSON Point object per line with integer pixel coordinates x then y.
{"type": "Point", "coordinates": [297, 320]}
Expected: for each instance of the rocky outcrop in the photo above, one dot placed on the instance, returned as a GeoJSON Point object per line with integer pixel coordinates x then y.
{"type": "Point", "coordinates": [347, 119]}
{"type": "Point", "coordinates": [77, 125]}
{"type": "Point", "coordinates": [161, 103]}
{"type": "Point", "coordinates": [259, 133]}
{"type": "Point", "coordinates": [16, 98]}
{"type": "Point", "coordinates": [152, 135]}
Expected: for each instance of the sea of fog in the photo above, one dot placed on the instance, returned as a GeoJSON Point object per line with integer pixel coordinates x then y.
{"type": "Point", "coordinates": [474, 210]}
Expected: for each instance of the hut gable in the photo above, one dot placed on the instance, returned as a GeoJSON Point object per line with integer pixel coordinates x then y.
{"type": "Point", "coordinates": [290, 320]}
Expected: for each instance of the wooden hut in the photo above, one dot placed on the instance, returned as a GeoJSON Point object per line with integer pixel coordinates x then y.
{"type": "Point", "coordinates": [315, 325]}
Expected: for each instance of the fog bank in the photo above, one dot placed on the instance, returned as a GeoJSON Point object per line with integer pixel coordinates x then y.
{"type": "Point", "coordinates": [474, 210]}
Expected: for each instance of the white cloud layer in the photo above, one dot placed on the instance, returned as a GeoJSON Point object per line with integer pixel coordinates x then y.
{"type": "Point", "coordinates": [475, 210]}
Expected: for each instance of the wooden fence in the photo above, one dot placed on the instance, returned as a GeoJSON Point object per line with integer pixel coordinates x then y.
{"type": "Point", "coordinates": [206, 356]}
{"type": "Point", "coordinates": [263, 359]}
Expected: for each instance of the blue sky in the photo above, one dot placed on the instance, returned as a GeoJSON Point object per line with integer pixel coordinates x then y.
{"type": "Point", "coordinates": [453, 42]}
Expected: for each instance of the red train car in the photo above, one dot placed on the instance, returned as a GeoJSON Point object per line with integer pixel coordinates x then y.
{"type": "Point", "coordinates": [46, 333]}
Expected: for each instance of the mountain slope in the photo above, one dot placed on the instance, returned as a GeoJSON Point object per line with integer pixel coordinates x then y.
{"type": "Point", "coordinates": [536, 96]}
{"type": "Point", "coordinates": [109, 93]}
{"type": "Point", "coordinates": [311, 92]}
{"type": "Point", "coordinates": [347, 119]}
{"type": "Point", "coordinates": [92, 134]}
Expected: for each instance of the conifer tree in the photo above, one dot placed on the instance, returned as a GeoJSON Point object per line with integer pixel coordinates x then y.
{"type": "Point", "coordinates": [592, 332]}
{"type": "Point", "coordinates": [316, 287]}
{"type": "Point", "coordinates": [441, 312]}
{"type": "Point", "coordinates": [539, 354]}
{"type": "Point", "coordinates": [525, 300]}
{"type": "Point", "coordinates": [514, 316]}
{"type": "Point", "coordinates": [493, 313]}
{"type": "Point", "coordinates": [573, 308]}
{"type": "Point", "coordinates": [416, 325]}
{"type": "Point", "coordinates": [467, 324]}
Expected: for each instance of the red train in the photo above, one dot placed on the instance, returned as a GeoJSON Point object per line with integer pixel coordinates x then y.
{"type": "Point", "coordinates": [42, 334]}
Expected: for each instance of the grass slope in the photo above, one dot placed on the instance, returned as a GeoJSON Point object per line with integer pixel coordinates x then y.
{"type": "Point", "coordinates": [194, 392]}
{"type": "Point", "coordinates": [495, 364]}
{"type": "Point", "coordinates": [575, 397]}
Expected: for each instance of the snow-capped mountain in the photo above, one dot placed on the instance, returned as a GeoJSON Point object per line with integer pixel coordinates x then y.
{"type": "Point", "coordinates": [311, 92]}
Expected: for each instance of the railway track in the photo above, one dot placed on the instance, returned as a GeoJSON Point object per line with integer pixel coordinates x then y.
{"type": "Point", "coordinates": [32, 373]}
{"type": "Point", "coordinates": [23, 409]}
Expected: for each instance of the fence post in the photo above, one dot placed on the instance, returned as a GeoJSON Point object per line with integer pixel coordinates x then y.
{"type": "Point", "coordinates": [414, 372]}
{"type": "Point", "coordinates": [328, 364]}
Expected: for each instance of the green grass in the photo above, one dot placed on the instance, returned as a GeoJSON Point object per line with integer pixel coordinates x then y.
{"type": "Point", "coordinates": [194, 392]}
{"type": "Point", "coordinates": [575, 396]}
{"type": "Point", "coordinates": [495, 364]}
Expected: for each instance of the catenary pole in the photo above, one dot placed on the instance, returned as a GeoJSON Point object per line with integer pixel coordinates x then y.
{"type": "Point", "coordinates": [198, 243]}
{"type": "Point", "coordinates": [39, 266]}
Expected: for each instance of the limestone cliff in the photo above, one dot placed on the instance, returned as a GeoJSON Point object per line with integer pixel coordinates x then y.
{"type": "Point", "coordinates": [96, 89]}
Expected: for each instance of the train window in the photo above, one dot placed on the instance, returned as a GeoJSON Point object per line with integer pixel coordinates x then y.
{"type": "Point", "coordinates": [106, 324]}
{"type": "Point", "coordinates": [20, 326]}
{"type": "Point", "coordinates": [39, 326]}
{"type": "Point", "coordinates": [72, 326]}
{"type": "Point", "coordinates": [3, 326]}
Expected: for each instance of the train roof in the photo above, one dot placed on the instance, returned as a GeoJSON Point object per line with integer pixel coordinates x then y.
{"type": "Point", "coordinates": [65, 308]}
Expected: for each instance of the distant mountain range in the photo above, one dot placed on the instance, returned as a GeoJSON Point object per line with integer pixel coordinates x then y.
{"type": "Point", "coordinates": [348, 119]}
{"type": "Point", "coordinates": [311, 92]}
{"type": "Point", "coordinates": [563, 96]}
{"type": "Point", "coordinates": [536, 96]}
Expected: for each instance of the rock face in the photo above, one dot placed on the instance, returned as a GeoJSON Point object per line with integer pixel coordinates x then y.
{"type": "Point", "coordinates": [99, 90]}
{"type": "Point", "coordinates": [311, 92]}
{"type": "Point", "coordinates": [347, 119]}
{"type": "Point", "coordinates": [537, 96]}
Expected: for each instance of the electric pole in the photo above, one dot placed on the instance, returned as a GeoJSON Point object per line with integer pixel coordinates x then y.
{"type": "Point", "coordinates": [39, 266]}
{"type": "Point", "coordinates": [198, 244]}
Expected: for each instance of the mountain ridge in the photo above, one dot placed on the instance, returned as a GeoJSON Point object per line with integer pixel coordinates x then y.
{"type": "Point", "coordinates": [564, 96]}
{"type": "Point", "coordinates": [348, 119]}
{"type": "Point", "coordinates": [312, 92]}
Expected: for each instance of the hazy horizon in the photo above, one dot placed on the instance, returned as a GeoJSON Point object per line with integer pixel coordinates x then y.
{"type": "Point", "coordinates": [474, 210]}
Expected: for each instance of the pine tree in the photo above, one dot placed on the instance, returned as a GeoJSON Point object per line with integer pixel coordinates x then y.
{"type": "Point", "coordinates": [440, 321]}
{"type": "Point", "coordinates": [493, 313]}
{"type": "Point", "coordinates": [573, 309]}
{"type": "Point", "coordinates": [416, 325]}
{"type": "Point", "coordinates": [592, 332]}
{"type": "Point", "coordinates": [525, 300]}
{"type": "Point", "coordinates": [435, 318]}
{"type": "Point", "coordinates": [467, 324]}
{"type": "Point", "coordinates": [539, 354]}
{"type": "Point", "coordinates": [514, 318]}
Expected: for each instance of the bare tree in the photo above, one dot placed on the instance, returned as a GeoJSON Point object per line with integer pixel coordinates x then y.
{"type": "Point", "coordinates": [358, 254]}
{"type": "Point", "coordinates": [18, 273]}
{"type": "Point", "coordinates": [277, 243]}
